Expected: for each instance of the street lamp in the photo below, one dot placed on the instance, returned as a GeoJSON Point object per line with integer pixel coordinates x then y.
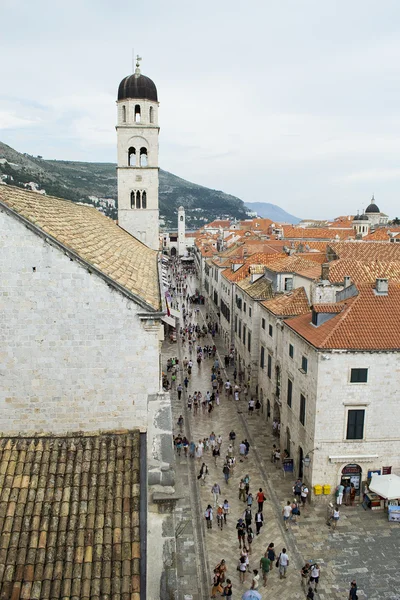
{"type": "Point", "coordinates": [307, 459]}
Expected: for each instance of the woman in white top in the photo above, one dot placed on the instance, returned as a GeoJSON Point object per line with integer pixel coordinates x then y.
{"type": "Point", "coordinates": [335, 517]}
{"type": "Point", "coordinates": [255, 580]}
{"type": "Point", "coordinates": [314, 576]}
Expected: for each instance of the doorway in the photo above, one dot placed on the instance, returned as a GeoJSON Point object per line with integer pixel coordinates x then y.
{"type": "Point", "coordinates": [351, 474]}
{"type": "Point", "coordinates": [301, 456]}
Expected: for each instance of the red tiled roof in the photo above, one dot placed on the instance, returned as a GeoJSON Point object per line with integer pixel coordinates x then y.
{"type": "Point", "coordinates": [333, 308]}
{"type": "Point", "coordinates": [362, 271]}
{"type": "Point", "coordinates": [367, 322]}
{"type": "Point", "coordinates": [364, 250]}
{"type": "Point", "coordinates": [288, 305]}
{"type": "Point", "coordinates": [326, 233]}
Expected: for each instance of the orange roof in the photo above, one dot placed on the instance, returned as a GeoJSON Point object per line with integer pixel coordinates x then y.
{"type": "Point", "coordinates": [290, 232]}
{"type": "Point", "coordinates": [333, 308]}
{"type": "Point", "coordinates": [365, 251]}
{"type": "Point", "coordinates": [218, 223]}
{"type": "Point", "coordinates": [288, 305]}
{"type": "Point", "coordinates": [255, 259]}
{"type": "Point", "coordinates": [382, 234]}
{"type": "Point", "coordinates": [363, 271]}
{"type": "Point", "coordinates": [290, 264]}
{"type": "Point", "coordinates": [367, 322]}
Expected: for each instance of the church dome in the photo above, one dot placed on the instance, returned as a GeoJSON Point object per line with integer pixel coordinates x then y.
{"type": "Point", "coordinates": [372, 208]}
{"type": "Point", "coordinates": [137, 86]}
{"type": "Point", "coordinates": [361, 218]}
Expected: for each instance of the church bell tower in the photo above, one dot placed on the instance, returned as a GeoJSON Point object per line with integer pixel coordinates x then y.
{"type": "Point", "coordinates": [137, 170]}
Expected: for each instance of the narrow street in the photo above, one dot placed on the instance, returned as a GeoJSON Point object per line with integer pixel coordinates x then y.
{"type": "Point", "coordinates": [365, 546]}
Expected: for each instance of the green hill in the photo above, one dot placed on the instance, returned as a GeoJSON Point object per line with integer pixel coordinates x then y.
{"type": "Point", "coordinates": [96, 183]}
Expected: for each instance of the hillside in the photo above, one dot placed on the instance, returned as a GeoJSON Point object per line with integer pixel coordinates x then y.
{"type": "Point", "coordinates": [273, 212]}
{"type": "Point", "coordinates": [96, 183]}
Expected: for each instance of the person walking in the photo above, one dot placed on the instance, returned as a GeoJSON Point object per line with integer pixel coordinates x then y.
{"type": "Point", "coordinates": [265, 566]}
{"type": "Point", "coordinates": [208, 515]}
{"type": "Point", "coordinates": [304, 494]}
{"type": "Point", "coordinates": [241, 532]}
{"type": "Point", "coordinates": [247, 517]}
{"type": "Point", "coordinates": [255, 581]}
{"type": "Point", "coordinates": [242, 451]}
{"type": "Point", "coordinates": [305, 575]}
{"type": "Point", "coordinates": [297, 489]}
{"type": "Point", "coordinates": [217, 587]}
{"type": "Point", "coordinates": [250, 538]}
{"type": "Point", "coordinates": [249, 499]}
{"type": "Point", "coordinates": [346, 497]}
{"type": "Point", "coordinates": [179, 390]}
{"type": "Point", "coordinates": [335, 517]}
{"type": "Point", "coordinates": [220, 517]}
{"type": "Point", "coordinates": [226, 510]}
{"type": "Point", "coordinates": [314, 576]}
{"type": "Point", "coordinates": [353, 591]}
{"type": "Point", "coordinates": [215, 454]}
{"type": "Point", "coordinates": [215, 490]}
{"type": "Point", "coordinates": [227, 589]}
{"type": "Point", "coordinates": [226, 471]}
{"type": "Point", "coordinates": [286, 512]}
{"type": "Point", "coordinates": [242, 491]}
{"type": "Point", "coordinates": [283, 564]}
{"type": "Point", "coordinates": [260, 499]}
{"type": "Point", "coordinates": [271, 554]}
{"type": "Point", "coordinates": [242, 569]}
{"type": "Point", "coordinates": [259, 521]}
{"type": "Point", "coordinates": [352, 494]}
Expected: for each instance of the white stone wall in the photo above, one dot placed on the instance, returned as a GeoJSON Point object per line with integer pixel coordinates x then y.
{"type": "Point", "coordinates": [74, 354]}
{"type": "Point", "coordinates": [380, 397]}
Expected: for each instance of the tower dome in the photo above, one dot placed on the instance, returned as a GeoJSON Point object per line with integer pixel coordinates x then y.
{"type": "Point", "coordinates": [372, 208]}
{"type": "Point", "coordinates": [137, 86]}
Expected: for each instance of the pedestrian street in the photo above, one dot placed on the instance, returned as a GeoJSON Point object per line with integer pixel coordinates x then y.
{"type": "Point", "coordinates": [364, 546]}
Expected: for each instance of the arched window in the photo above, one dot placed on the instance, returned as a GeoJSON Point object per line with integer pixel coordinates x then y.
{"type": "Point", "coordinates": [132, 199]}
{"type": "Point", "coordinates": [151, 114]}
{"type": "Point", "coordinates": [132, 157]}
{"type": "Point", "coordinates": [124, 114]}
{"type": "Point", "coordinates": [138, 200]}
{"type": "Point", "coordinates": [143, 157]}
{"type": "Point", "coordinates": [144, 200]}
{"type": "Point", "coordinates": [181, 217]}
{"type": "Point", "coordinates": [137, 113]}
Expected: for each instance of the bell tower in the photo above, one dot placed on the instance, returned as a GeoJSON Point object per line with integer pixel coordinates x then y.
{"type": "Point", "coordinates": [137, 169]}
{"type": "Point", "coordinates": [181, 232]}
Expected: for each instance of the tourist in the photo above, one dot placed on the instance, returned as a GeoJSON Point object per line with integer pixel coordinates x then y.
{"type": "Point", "coordinates": [241, 532]}
{"type": "Point", "coordinates": [226, 471]}
{"type": "Point", "coordinates": [220, 517]}
{"type": "Point", "coordinates": [222, 569]}
{"type": "Point", "coordinates": [314, 576]}
{"type": "Point", "coordinates": [297, 488]}
{"type": "Point", "coordinates": [346, 496]}
{"type": "Point", "coordinates": [242, 451]}
{"type": "Point", "coordinates": [352, 494]}
{"type": "Point", "coordinates": [255, 580]}
{"type": "Point", "coordinates": [283, 564]}
{"type": "Point", "coordinates": [226, 509]}
{"type": "Point", "coordinates": [335, 517]}
{"type": "Point", "coordinates": [217, 587]}
{"type": "Point", "coordinates": [259, 521]}
{"type": "Point", "coordinates": [251, 406]}
{"type": "Point", "coordinates": [215, 454]}
{"type": "Point", "coordinates": [339, 494]}
{"type": "Point", "coordinates": [209, 516]}
{"type": "Point", "coordinates": [265, 566]}
{"type": "Point", "coordinates": [271, 554]}
{"type": "Point", "coordinates": [227, 589]}
{"type": "Point", "coordinates": [247, 517]}
{"type": "Point", "coordinates": [353, 591]}
{"type": "Point", "coordinates": [242, 491]}
{"type": "Point", "coordinates": [250, 538]}
{"type": "Point", "coordinates": [305, 574]}
{"type": "Point", "coordinates": [215, 490]}
{"type": "Point", "coordinates": [242, 568]}
{"type": "Point", "coordinates": [304, 494]}
{"type": "Point", "coordinates": [286, 512]}
{"type": "Point", "coordinates": [249, 499]}
{"type": "Point", "coordinates": [260, 499]}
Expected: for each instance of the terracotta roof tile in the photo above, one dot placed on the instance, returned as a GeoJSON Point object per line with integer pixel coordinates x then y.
{"type": "Point", "coordinates": [259, 290]}
{"type": "Point", "coordinates": [290, 304]}
{"type": "Point", "coordinates": [363, 271]}
{"type": "Point", "coordinates": [258, 258]}
{"type": "Point", "coordinates": [333, 308]}
{"type": "Point", "coordinates": [367, 322]}
{"type": "Point", "coordinates": [71, 514]}
{"type": "Point", "coordinates": [92, 236]}
{"type": "Point", "coordinates": [292, 232]}
{"type": "Point", "coordinates": [364, 250]}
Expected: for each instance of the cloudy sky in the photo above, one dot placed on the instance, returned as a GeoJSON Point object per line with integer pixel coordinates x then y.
{"type": "Point", "coordinates": [294, 102]}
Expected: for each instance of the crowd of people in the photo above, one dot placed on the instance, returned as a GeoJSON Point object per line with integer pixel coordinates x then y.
{"type": "Point", "coordinates": [197, 337]}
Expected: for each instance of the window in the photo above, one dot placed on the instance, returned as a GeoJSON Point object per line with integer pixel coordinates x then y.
{"type": "Point", "coordinates": [359, 376]}
{"type": "Point", "coordinates": [244, 334]}
{"type": "Point", "coordinates": [244, 307]}
{"type": "Point", "coordinates": [133, 196]}
{"type": "Point", "coordinates": [240, 329]}
{"type": "Point", "coordinates": [236, 327]}
{"type": "Point", "coordinates": [249, 341]}
{"type": "Point", "coordinates": [289, 392]}
{"type": "Point", "coordinates": [270, 330]}
{"type": "Point", "coordinates": [124, 114]}
{"type": "Point", "coordinates": [262, 357]}
{"type": "Point", "coordinates": [249, 311]}
{"type": "Point", "coordinates": [304, 364]}
{"type": "Point", "coordinates": [355, 424]}
{"type": "Point", "coordinates": [181, 218]}
{"type": "Point", "coordinates": [269, 367]}
{"type": "Point", "coordinates": [137, 113]}
{"type": "Point", "coordinates": [263, 323]}
{"type": "Point", "coordinates": [302, 409]}
{"type": "Point", "coordinates": [138, 205]}
{"type": "Point", "coordinates": [143, 157]}
{"type": "Point", "coordinates": [288, 284]}
{"type": "Point", "coordinates": [144, 200]}
{"type": "Point", "coordinates": [151, 114]}
{"type": "Point", "coordinates": [132, 157]}
{"type": "Point", "coordinates": [291, 350]}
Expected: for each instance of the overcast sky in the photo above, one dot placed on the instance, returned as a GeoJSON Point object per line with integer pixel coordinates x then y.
{"type": "Point", "coordinates": [294, 102]}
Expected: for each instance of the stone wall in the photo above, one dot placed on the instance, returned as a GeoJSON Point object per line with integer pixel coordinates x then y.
{"type": "Point", "coordinates": [74, 354]}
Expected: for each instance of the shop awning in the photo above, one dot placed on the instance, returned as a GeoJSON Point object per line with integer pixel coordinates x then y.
{"type": "Point", "coordinates": [169, 320]}
{"type": "Point", "coordinates": [386, 486]}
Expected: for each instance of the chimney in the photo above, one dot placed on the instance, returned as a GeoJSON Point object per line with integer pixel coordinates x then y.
{"type": "Point", "coordinates": [347, 281]}
{"type": "Point", "coordinates": [325, 272]}
{"type": "Point", "coordinates": [381, 286]}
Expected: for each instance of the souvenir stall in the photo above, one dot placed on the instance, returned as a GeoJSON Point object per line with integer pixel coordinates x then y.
{"type": "Point", "coordinates": [388, 487]}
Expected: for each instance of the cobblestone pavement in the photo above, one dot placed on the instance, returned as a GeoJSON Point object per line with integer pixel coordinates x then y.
{"type": "Point", "coordinates": [365, 546]}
